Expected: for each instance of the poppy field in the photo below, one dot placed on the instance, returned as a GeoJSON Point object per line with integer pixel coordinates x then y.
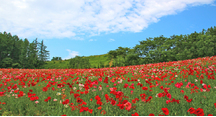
{"type": "Point", "coordinates": [177, 88]}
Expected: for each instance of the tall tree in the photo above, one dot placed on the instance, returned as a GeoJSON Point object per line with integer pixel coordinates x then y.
{"type": "Point", "coordinates": [43, 53]}
{"type": "Point", "coordinates": [23, 56]}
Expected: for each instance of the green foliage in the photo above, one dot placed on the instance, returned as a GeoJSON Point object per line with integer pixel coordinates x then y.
{"type": "Point", "coordinates": [56, 59]}
{"type": "Point", "coordinates": [7, 62]}
{"type": "Point", "coordinates": [151, 50]}
{"type": "Point", "coordinates": [162, 49]}
{"type": "Point", "coordinates": [18, 53]}
{"type": "Point", "coordinates": [79, 62]}
{"type": "Point", "coordinates": [16, 65]}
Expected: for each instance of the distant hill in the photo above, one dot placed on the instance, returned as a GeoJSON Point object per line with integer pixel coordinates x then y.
{"type": "Point", "coordinates": [95, 61]}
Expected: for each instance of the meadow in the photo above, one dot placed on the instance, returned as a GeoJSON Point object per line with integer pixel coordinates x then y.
{"type": "Point", "coordinates": [177, 88]}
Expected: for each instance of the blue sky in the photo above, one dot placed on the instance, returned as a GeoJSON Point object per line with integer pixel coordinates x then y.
{"type": "Point", "coordinates": [94, 27]}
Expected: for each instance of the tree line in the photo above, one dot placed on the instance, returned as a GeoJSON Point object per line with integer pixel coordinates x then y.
{"type": "Point", "coordinates": [158, 49]}
{"type": "Point", "coordinates": [163, 49]}
{"type": "Point", "coordinates": [18, 53]}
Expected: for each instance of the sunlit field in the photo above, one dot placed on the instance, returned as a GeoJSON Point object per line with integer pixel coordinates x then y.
{"type": "Point", "coordinates": [178, 88]}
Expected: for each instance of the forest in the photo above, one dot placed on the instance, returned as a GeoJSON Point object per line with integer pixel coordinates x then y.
{"type": "Point", "coordinates": [18, 53]}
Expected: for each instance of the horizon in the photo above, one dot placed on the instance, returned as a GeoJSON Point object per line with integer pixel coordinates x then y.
{"type": "Point", "coordinates": [95, 28]}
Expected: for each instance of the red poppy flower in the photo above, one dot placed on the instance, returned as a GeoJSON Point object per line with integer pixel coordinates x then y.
{"type": "Point", "coordinates": [16, 91]}
{"type": "Point", "coordinates": [199, 112]}
{"type": "Point", "coordinates": [165, 111]}
{"type": "Point", "coordinates": [160, 95]}
{"type": "Point", "coordinates": [76, 95]}
{"type": "Point", "coordinates": [84, 103]}
{"type": "Point", "coordinates": [97, 97]}
{"type": "Point", "coordinates": [151, 114]}
{"type": "Point", "coordinates": [113, 102]}
{"type": "Point", "coordinates": [185, 97]}
{"type": "Point", "coordinates": [45, 89]}
{"type": "Point", "coordinates": [36, 98]}
{"type": "Point", "coordinates": [46, 100]}
{"type": "Point", "coordinates": [182, 91]}
{"type": "Point", "coordinates": [81, 110]}
{"type": "Point", "coordinates": [106, 96]}
{"type": "Point", "coordinates": [126, 85]}
{"type": "Point", "coordinates": [168, 101]}
{"type": "Point", "coordinates": [192, 84]}
{"type": "Point", "coordinates": [30, 90]}
{"type": "Point", "coordinates": [20, 92]}
{"type": "Point", "coordinates": [124, 101]}
{"type": "Point", "coordinates": [191, 110]}
{"type": "Point", "coordinates": [134, 101]}
{"type": "Point", "coordinates": [103, 112]}
{"type": "Point", "coordinates": [85, 108]}
{"type": "Point", "coordinates": [151, 86]}
{"type": "Point", "coordinates": [99, 108]}
{"type": "Point", "coordinates": [169, 95]}
{"type": "Point", "coordinates": [215, 105]}
{"type": "Point", "coordinates": [161, 87]}
{"type": "Point", "coordinates": [189, 100]}
{"type": "Point", "coordinates": [90, 111]}
{"type": "Point", "coordinates": [121, 106]}
{"type": "Point", "coordinates": [49, 98]}
{"type": "Point", "coordinates": [2, 94]}
{"type": "Point", "coordinates": [177, 101]}
{"type": "Point", "coordinates": [99, 103]}
{"type": "Point", "coordinates": [71, 92]}
{"type": "Point", "coordinates": [65, 102]}
{"type": "Point", "coordinates": [106, 80]}
{"type": "Point", "coordinates": [201, 81]}
{"type": "Point", "coordinates": [144, 88]}
{"type": "Point", "coordinates": [86, 92]}
{"type": "Point", "coordinates": [64, 115]}
{"type": "Point", "coordinates": [32, 98]}
{"type": "Point", "coordinates": [135, 114]}
{"type": "Point", "coordinates": [79, 100]}
{"type": "Point", "coordinates": [140, 84]}
{"type": "Point", "coordinates": [15, 86]}
{"type": "Point", "coordinates": [210, 115]}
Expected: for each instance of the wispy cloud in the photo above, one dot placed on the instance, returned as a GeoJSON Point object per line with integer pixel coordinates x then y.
{"type": "Point", "coordinates": [71, 54]}
{"type": "Point", "coordinates": [92, 39]}
{"type": "Point", "coordinates": [75, 18]}
{"type": "Point", "coordinates": [111, 40]}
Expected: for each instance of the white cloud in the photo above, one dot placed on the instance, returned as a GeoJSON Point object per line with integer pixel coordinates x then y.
{"type": "Point", "coordinates": [73, 18]}
{"type": "Point", "coordinates": [111, 40]}
{"type": "Point", "coordinates": [92, 39]}
{"type": "Point", "coordinates": [71, 54]}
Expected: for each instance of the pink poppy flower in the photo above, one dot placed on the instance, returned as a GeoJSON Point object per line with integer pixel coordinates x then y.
{"type": "Point", "coordinates": [188, 85]}
{"type": "Point", "coordinates": [127, 106]}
